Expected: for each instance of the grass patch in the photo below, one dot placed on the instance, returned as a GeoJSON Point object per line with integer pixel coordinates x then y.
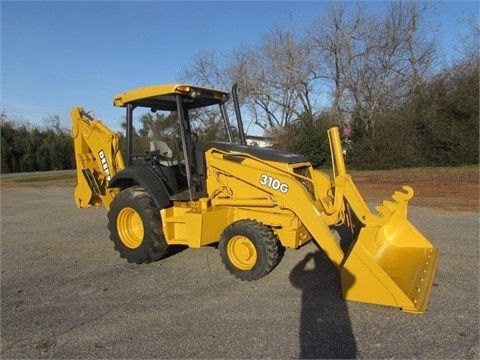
{"type": "Point", "coordinates": [42, 178]}
{"type": "Point", "coordinates": [61, 178]}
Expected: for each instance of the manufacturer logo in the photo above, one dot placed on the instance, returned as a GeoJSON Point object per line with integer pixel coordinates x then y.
{"type": "Point", "coordinates": [273, 183]}
{"type": "Point", "coordinates": [103, 160]}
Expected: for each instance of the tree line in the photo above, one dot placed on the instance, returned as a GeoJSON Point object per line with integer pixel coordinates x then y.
{"type": "Point", "coordinates": [436, 127]}
{"type": "Point", "coordinates": [26, 148]}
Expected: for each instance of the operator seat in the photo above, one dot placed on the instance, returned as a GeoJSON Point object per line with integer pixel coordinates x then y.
{"type": "Point", "coordinates": [165, 152]}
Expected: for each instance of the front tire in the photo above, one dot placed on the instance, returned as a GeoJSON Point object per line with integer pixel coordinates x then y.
{"type": "Point", "coordinates": [249, 249]}
{"type": "Point", "coordinates": [135, 226]}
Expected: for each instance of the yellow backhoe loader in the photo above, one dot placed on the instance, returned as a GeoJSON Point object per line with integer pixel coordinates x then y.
{"type": "Point", "coordinates": [251, 201]}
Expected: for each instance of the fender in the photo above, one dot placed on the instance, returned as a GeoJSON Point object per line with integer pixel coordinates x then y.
{"type": "Point", "coordinates": [147, 178]}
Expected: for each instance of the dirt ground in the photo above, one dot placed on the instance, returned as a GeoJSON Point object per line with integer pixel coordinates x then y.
{"type": "Point", "coordinates": [444, 189]}
{"type": "Point", "coordinates": [448, 189]}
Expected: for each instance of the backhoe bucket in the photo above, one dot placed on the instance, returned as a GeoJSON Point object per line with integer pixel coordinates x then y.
{"type": "Point", "coordinates": [391, 263]}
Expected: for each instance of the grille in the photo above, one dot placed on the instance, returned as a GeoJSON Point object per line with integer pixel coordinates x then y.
{"type": "Point", "coordinates": [308, 184]}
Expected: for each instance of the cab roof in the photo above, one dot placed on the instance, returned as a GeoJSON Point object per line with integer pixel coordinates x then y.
{"type": "Point", "coordinates": [163, 97]}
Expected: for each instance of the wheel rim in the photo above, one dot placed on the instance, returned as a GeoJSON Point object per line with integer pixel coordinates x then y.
{"type": "Point", "coordinates": [242, 252]}
{"type": "Point", "coordinates": [130, 228]}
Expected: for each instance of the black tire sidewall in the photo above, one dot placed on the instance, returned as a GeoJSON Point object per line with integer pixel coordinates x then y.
{"type": "Point", "coordinates": [264, 242]}
{"type": "Point", "coordinates": [153, 245]}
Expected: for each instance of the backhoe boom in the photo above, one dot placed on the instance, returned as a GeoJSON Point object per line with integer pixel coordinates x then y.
{"type": "Point", "coordinates": [98, 158]}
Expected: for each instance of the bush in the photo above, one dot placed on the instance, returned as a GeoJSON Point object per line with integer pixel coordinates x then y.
{"type": "Point", "coordinates": [437, 126]}
{"type": "Point", "coordinates": [308, 137]}
{"type": "Point", "coordinates": [26, 148]}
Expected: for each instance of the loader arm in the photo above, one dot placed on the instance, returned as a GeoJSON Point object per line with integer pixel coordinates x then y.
{"type": "Point", "coordinates": [389, 261]}
{"type": "Point", "coordinates": [98, 159]}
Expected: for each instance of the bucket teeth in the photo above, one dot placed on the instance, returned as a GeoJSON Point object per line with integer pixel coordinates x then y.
{"type": "Point", "coordinates": [391, 206]}
{"type": "Point", "coordinates": [403, 196]}
{"type": "Point", "coordinates": [400, 203]}
{"type": "Point", "coordinates": [384, 211]}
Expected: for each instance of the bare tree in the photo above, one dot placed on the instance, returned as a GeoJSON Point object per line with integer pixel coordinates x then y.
{"type": "Point", "coordinates": [367, 64]}
{"type": "Point", "coordinates": [338, 40]}
{"type": "Point", "coordinates": [469, 41]}
{"type": "Point", "coordinates": [207, 69]}
{"type": "Point", "coordinates": [371, 64]}
{"type": "Point", "coordinates": [275, 78]}
{"type": "Point", "coordinates": [54, 122]}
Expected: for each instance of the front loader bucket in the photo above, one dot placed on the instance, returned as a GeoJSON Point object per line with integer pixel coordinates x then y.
{"type": "Point", "coordinates": [391, 262]}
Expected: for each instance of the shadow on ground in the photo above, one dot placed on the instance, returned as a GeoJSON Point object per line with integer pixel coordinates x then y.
{"type": "Point", "coordinates": [325, 328]}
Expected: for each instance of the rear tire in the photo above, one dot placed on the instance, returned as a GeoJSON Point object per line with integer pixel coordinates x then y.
{"type": "Point", "coordinates": [249, 249]}
{"type": "Point", "coordinates": [135, 226]}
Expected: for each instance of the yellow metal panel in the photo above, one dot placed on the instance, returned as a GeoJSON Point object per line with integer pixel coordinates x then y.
{"type": "Point", "coordinates": [336, 151]}
{"type": "Point", "coordinates": [293, 238]}
{"type": "Point", "coordinates": [193, 224]}
{"type": "Point", "coordinates": [174, 226]}
{"type": "Point", "coordinates": [160, 91]}
{"type": "Point", "coordinates": [144, 92]}
{"type": "Point", "coordinates": [322, 183]}
{"type": "Point", "coordinates": [392, 276]}
{"type": "Point", "coordinates": [205, 227]}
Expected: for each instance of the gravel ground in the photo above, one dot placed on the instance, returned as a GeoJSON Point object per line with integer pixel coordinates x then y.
{"type": "Point", "coordinates": [65, 293]}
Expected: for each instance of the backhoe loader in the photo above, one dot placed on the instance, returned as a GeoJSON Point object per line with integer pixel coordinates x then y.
{"type": "Point", "coordinates": [251, 202]}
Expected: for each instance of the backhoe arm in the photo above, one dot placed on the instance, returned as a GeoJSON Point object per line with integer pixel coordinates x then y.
{"type": "Point", "coordinates": [98, 158]}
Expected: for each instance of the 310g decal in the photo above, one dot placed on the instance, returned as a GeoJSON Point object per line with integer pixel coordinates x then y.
{"type": "Point", "coordinates": [275, 184]}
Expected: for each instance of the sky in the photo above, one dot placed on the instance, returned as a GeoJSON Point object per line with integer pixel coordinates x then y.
{"type": "Point", "coordinates": [59, 54]}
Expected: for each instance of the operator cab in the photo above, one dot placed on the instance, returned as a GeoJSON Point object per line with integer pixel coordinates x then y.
{"type": "Point", "coordinates": [176, 162]}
